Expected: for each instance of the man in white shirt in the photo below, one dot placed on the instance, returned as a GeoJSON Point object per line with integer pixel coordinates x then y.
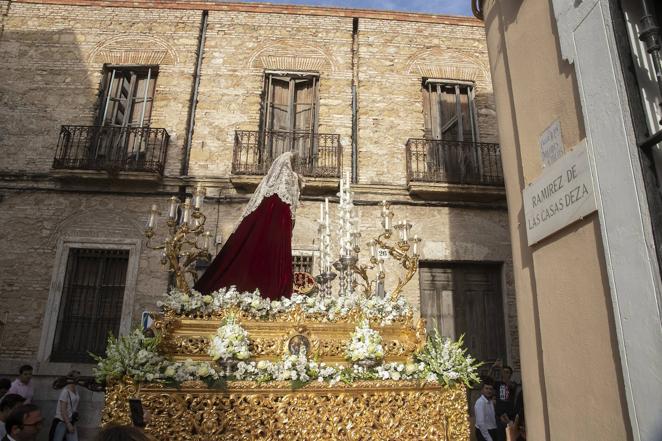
{"type": "Point", "coordinates": [484, 411]}
{"type": "Point", "coordinates": [23, 384]}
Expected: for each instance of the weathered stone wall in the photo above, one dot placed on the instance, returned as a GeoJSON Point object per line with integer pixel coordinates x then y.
{"type": "Point", "coordinates": [394, 58]}
{"type": "Point", "coordinates": [62, 50]}
{"type": "Point", "coordinates": [239, 48]}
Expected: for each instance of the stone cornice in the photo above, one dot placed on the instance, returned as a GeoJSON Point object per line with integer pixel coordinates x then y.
{"type": "Point", "coordinates": [268, 8]}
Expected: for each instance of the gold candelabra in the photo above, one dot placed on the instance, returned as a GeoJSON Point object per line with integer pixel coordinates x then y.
{"type": "Point", "coordinates": [382, 246]}
{"type": "Point", "coordinates": [181, 247]}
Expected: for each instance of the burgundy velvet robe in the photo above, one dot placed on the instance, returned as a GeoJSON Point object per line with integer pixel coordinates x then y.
{"type": "Point", "coordinates": [257, 255]}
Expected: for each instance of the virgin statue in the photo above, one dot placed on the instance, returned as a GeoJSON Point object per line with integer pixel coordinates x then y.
{"type": "Point", "coordinates": [258, 254]}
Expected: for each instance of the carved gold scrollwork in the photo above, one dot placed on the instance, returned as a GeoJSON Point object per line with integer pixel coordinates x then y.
{"type": "Point", "coordinates": [377, 410]}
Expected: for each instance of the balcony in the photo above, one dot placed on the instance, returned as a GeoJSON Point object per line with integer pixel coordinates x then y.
{"type": "Point", "coordinates": [138, 152]}
{"type": "Point", "coordinates": [454, 169]}
{"type": "Point", "coordinates": [320, 156]}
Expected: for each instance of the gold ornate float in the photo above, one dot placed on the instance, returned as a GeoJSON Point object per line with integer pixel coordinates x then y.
{"type": "Point", "coordinates": [388, 406]}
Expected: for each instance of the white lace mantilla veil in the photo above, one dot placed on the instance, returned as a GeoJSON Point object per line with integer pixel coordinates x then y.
{"type": "Point", "coordinates": [281, 180]}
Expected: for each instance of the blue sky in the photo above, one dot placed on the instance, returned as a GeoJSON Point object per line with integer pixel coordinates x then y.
{"type": "Point", "coordinates": [450, 7]}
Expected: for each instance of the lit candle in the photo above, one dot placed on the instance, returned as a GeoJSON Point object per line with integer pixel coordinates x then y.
{"type": "Point", "coordinates": [405, 230]}
{"type": "Point", "coordinates": [387, 222]}
{"type": "Point", "coordinates": [416, 241]}
{"type": "Point", "coordinates": [205, 243]}
{"type": "Point", "coordinates": [384, 208]}
{"type": "Point", "coordinates": [381, 265]}
{"type": "Point", "coordinates": [172, 210]}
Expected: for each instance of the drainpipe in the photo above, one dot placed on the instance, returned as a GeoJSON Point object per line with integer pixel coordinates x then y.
{"type": "Point", "coordinates": [193, 102]}
{"type": "Point", "coordinates": [355, 105]}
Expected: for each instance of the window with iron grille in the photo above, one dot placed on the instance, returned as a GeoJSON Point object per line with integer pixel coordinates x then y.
{"type": "Point", "coordinates": [128, 94]}
{"type": "Point", "coordinates": [449, 111]}
{"type": "Point", "coordinates": [289, 114]}
{"type": "Point", "coordinates": [91, 303]}
{"type": "Point", "coordinates": [302, 263]}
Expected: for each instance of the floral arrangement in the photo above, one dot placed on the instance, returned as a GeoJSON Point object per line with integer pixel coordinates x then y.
{"type": "Point", "coordinates": [189, 370]}
{"type": "Point", "coordinates": [133, 355]}
{"type": "Point", "coordinates": [440, 361]}
{"type": "Point", "coordinates": [230, 341]}
{"type": "Point", "coordinates": [448, 361]}
{"type": "Point", "coordinates": [382, 310]}
{"type": "Point", "coordinates": [365, 344]}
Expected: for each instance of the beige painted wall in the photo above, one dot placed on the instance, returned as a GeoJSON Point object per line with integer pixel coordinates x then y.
{"type": "Point", "coordinates": [571, 368]}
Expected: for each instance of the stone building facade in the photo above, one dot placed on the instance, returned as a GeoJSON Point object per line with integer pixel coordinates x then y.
{"type": "Point", "coordinates": [186, 90]}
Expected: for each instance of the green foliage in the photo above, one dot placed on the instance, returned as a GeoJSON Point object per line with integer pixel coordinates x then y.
{"type": "Point", "coordinates": [133, 355]}
{"type": "Point", "coordinates": [448, 360]}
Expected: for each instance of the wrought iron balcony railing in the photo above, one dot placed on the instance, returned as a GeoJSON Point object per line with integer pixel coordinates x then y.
{"type": "Point", "coordinates": [320, 154]}
{"type": "Point", "coordinates": [454, 162]}
{"type": "Point", "coordinates": [141, 149]}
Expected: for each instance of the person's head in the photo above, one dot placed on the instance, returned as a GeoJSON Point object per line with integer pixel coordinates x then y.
{"type": "Point", "coordinates": [506, 373]}
{"type": "Point", "coordinates": [24, 422]}
{"type": "Point", "coordinates": [72, 379]}
{"type": "Point", "coordinates": [487, 390]}
{"type": "Point", "coordinates": [121, 433]}
{"type": "Point", "coordinates": [5, 384]}
{"type": "Point", "coordinates": [25, 373]}
{"type": "Point", "coordinates": [8, 403]}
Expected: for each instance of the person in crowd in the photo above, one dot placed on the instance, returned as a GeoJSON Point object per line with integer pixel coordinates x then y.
{"type": "Point", "coordinates": [23, 423]}
{"type": "Point", "coordinates": [122, 433]}
{"type": "Point", "coordinates": [484, 412]}
{"type": "Point", "coordinates": [8, 403]}
{"type": "Point", "coordinates": [5, 384]}
{"type": "Point", "coordinates": [23, 384]}
{"type": "Point", "coordinates": [505, 390]}
{"type": "Point", "coordinates": [63, 427]}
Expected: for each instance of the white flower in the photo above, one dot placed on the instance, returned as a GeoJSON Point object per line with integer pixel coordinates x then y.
{"type": "Point", "coordinates": [230, 341]}
{"type": "Point", "coordinates": [365, 344]}
{"type": "Point", "coordinates": [202, 371]}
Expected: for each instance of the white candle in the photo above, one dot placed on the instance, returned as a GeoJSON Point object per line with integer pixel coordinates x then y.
{"type": "Point", "coordinates": [172, 210]}
{"type": "Point", "coordinates": [198, 197]}
{"type": "Point", "coordinates": [405, 231]}
{"type": "Point", "coordinates": [321, 213]}
{"type": "Point", "coordinates": [373, 248]}
{"type": "Point", "coordinates": [152, 217]}
{"type": "Point", "coordinates": [416, 240]}
{"type": "Point", "coordinates": [187, 211]}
